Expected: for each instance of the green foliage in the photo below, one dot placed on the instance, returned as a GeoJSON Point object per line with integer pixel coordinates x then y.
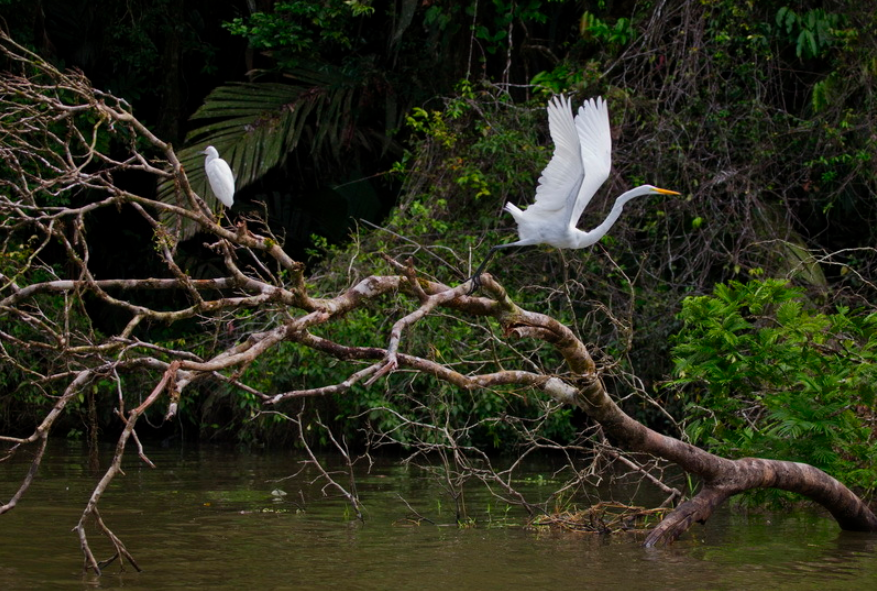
{"type": "Point", "coordinates": [764, 374]}
{"type": "Point", "coordinates": [560, 79]}
{"type": "Point", "coordinates": [299, 31]}
{"type": "Point", "coordinates": [811, 32]}
{"type": "Point", "coordinates": [502, 147]}
{"type": "Point", "coordinates": [466, 157]}
{"type": "Point", "coordinates": [598, 31]}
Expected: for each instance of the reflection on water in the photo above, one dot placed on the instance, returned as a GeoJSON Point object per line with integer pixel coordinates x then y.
{"type": "Point", "coordinates": [207, 518]}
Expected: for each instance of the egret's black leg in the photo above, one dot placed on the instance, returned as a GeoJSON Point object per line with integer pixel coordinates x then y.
{"type": "Point", "coordinates": [476, 276]}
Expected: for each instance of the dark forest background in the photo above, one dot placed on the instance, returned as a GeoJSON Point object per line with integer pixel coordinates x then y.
{"type": "Point", "coordinates": [740, 312]}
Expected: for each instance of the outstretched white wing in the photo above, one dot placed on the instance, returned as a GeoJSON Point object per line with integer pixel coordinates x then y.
{"type": "Point", "coordinates": [561, 179]}
{"type": "Point", "coordinates": [595, 137]}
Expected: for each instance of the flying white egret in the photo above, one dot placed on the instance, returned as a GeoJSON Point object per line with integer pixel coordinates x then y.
{"type": "Point", "coordinates": [580, 164]}
{"type": "Point", "coordinates": [219, 175]}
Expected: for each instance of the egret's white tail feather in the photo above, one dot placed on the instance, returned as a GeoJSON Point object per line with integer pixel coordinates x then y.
{"type": "Point", "coordinates": [528, 225]}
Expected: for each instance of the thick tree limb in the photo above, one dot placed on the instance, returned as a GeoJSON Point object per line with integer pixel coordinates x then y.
{"type": "Point", "coordinates": [723, 478]}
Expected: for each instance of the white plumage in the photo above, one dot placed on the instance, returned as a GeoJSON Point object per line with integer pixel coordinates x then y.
{"type": "Point", "coordinates": [219, 176]}
{"type": "Point", "coordinates": [581, 163]}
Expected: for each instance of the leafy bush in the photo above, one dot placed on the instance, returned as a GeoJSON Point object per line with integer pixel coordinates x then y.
{"type": "Point", "coordinates": [766, 374]}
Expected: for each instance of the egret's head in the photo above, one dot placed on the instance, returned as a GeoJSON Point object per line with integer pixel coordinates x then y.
{"type": "Point", "coordinates": [210, 152]}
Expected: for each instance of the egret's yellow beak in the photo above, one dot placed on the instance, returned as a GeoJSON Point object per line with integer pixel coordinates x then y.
{"type": "Point", "coordinates": [666, 191]}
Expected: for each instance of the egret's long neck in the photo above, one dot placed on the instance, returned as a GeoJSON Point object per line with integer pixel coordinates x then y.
{"type": "Point", "coordinates": [594, 235]}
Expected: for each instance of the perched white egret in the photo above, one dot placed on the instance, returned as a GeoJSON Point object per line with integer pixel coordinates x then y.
{"type": "Point", "coordinates": [580, 164]}
{"type": "Point", "coordinates": [219, 175]}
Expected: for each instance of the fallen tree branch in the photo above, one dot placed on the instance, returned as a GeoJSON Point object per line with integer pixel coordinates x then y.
{"type": "Point", "coordinates": [58, 179]}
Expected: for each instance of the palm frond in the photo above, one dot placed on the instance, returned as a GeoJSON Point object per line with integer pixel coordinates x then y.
{"type": "Point", "coordinates": [255, 126]}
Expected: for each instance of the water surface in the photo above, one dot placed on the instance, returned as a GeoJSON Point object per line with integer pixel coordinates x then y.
{"type": "Point", "coordinates": [206, 518]}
